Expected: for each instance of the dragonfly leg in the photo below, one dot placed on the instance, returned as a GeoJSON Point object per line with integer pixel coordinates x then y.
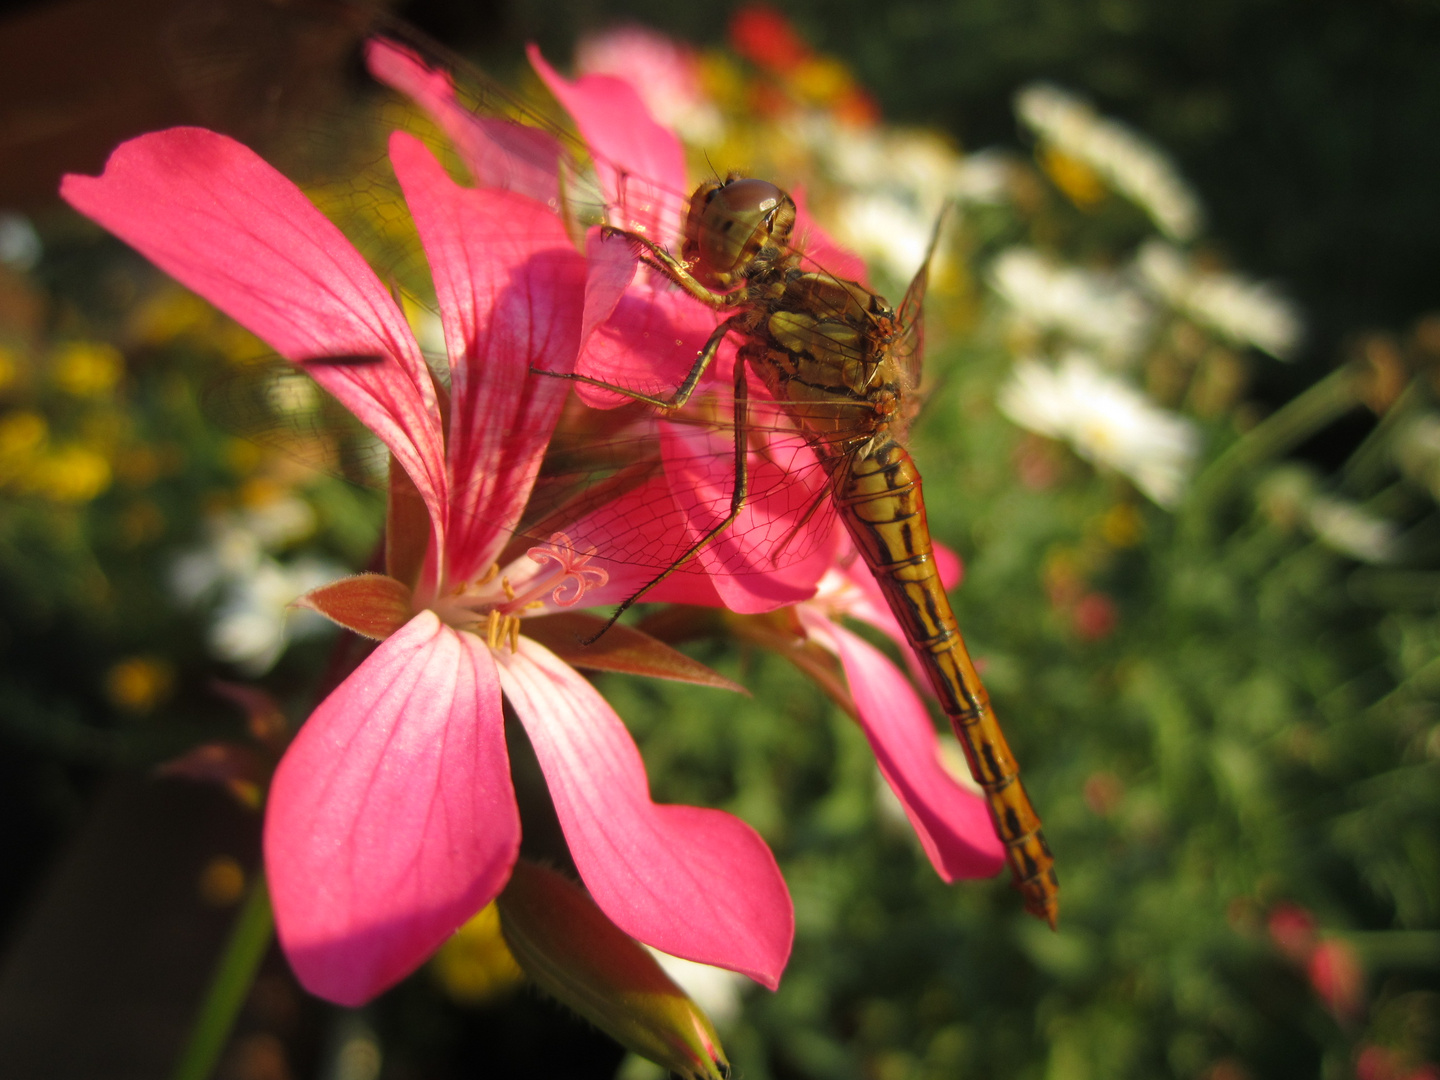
{"type": "Point", "coordinates": [687, 388]}
{"type": "Point", "coordinates": [737, 503]}
{"type": "Point", "coordinates": [660, 260]}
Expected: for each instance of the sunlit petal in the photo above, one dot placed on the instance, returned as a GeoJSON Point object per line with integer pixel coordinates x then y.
{"type": "Point", "coordinates": [498, 153]}
{"type": "Point", "coordinates": [212, 214]}
{"type": "Point", "coordinates": [391, 819]}
{"type": "Point", "coordinates": [695, 883]}
{"type": "Point", "coordinates": [641, 165]}
{"type": "Point", "coordinates": [953, 824]}
{"type": "Point", "coordinates": [511, 290]}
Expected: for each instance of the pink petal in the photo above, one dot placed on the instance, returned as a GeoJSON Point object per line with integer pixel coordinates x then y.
{"type": "Point", "coordinates": [391, 819]}
{"type": "Point", "coordinates": [214, 216]}
{"type": "Point", "coordinates": [637, 536]}
{"type": "Point", "coordinates": [698, 884]}
{"type": "Point", "coordinates": [511, 290]}
{"type": "Point", "coordinates": [642, 532]}
{"type": "Point", "coordinates": [649, 341]}
{"type": "Point", "coordinates": [498, 153]}
{"type": "Point", "coordinates": [771, 529]}
{"type": "Point", "coordinates": [953, 823]}
{"type": "Point", "coordinates": [641, 165]}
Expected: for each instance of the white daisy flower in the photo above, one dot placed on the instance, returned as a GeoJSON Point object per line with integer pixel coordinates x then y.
{"type": "Point", "coordinates": [1092, 308]}
{"type": "Point", "coordinates": [1242, 311]}
{"type": "Point", "coordinates": [1128, 162]}
{"type": "Point", "coordinates": [1106, 420]}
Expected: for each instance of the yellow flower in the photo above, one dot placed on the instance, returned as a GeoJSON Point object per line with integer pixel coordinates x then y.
{"type": "Point", "coordinates": [1121, 526]}
{"type": "Point", "coordinates": [138, 683]}
{"type": "Point", "coordinates": [1080, 183]}
{"type": "Point", "coordinates": [9, 367]}
{"type": "Point", "coordinates": [169, 314]}
{"type": "Point", "coordinates": [22, 435]}
{"type": "Point", "coordinates": [88, 368]}
{"type": "Point", "coordinates": [475, 966]}
{"type": "Point", "coordinates": [73, 474]}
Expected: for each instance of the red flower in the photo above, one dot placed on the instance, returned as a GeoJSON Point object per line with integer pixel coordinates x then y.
{"type": "Point", "coordinates": [765, 37]}
{"type": "Point", "coordinates": [1337, 977]}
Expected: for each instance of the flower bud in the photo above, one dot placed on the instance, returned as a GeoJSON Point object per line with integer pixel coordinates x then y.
{"type": "Point", "coordinates": [573, 952]}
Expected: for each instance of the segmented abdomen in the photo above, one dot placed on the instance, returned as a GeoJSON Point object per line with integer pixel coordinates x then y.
{"type": "Point", "coordinates": [877, 492]}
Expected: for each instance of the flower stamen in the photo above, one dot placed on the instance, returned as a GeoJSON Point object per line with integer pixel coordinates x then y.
{"type": "Point", "coordinates": [502, 629]}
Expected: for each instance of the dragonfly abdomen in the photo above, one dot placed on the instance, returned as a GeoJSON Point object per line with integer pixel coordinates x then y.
{"type": "Point", "coordinates": [877, 491]}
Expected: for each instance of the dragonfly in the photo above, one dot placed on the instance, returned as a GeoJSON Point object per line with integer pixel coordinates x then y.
{"type": "Point", "coordinates": [823, 377]}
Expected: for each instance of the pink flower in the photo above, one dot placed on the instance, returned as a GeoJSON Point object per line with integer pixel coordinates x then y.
{"type": "Point", "coordinates": [639, 331]}
{"type": "Point", "coordinates": [951, 820]}
{"type": "Point", "coordinates": [392, 818]}
{"type": "Point", "coordinates": [1337, 978]}
{"type": "Point", "coordinates": [665, 72]}
{"type": "Point", "coordinates": [642, 332]}
{"type": "Point", "coordinates": [1293, 930]}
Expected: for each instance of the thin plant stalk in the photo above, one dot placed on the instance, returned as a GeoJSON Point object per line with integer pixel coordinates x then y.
{"type": "Point", "coordinates": [249, 941]}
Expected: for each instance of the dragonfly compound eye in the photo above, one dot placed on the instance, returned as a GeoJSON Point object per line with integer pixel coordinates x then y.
{"type": "Point", "coordinates": [729, 224]}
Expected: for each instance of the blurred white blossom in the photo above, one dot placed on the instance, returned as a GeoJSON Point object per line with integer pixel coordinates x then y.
{"type": "Point", "coordinates": [1290, 496]}
{"type": "Point", "coordinates": [1094, 309]}
{"type": "Point", "coordinates": [887, 231]}
{"type": "Point", "coordinates": [251, 589]}
{"type": "Point", "coordinates": [1243, 311]}
{"type": "Point", "coordinates": [1417, 451]}
{"type": "Point", "coordinates": [912, 166]}
{"type": "Point", "coordinates": [898, 183]}
{"type": "Point", "coordinates": [1106, 420]}
{"type": "Point", "coordinates": [1128, 162]}
{"type": "Point", "coordinates": [20, 246]}
{"type": "Point", "coordinates": [1352, 530]}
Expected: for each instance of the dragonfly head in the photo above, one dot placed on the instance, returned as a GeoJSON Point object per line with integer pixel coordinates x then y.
{"type": "Point", "coordinates": [730, 227]}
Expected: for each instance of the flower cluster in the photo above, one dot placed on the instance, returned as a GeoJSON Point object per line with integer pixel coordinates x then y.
{"type": "Point", "coordinates": [391, 819]}
{"type": "Point", "coordinates": [1124, 159]}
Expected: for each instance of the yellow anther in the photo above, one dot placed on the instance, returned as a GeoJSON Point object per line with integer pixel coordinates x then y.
{"type": "Point", "coordinates": [514, 634]}
{"type": "Point", "coordinates": [509, 589]}
{"type": "Point", "coordinates": [489, 575]}
{"type": "Point", "coordinates": [492, 628]}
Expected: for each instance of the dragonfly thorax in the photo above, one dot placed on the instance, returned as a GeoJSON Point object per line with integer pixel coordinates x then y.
{"type": "Point", "coordinates": [735, 228]}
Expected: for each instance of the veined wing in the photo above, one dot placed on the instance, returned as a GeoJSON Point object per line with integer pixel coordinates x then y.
{"type": "Point", "coordinates": [637, 486]}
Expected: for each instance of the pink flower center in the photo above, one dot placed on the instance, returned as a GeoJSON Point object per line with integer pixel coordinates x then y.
{"type": "Point", "coordinates": [497, 604]}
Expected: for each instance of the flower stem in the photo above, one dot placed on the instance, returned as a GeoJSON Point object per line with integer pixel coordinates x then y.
{"type": "Point", "coordinates": [249, 941]}
{"type": "Point", "coordinates": [1309, 412]}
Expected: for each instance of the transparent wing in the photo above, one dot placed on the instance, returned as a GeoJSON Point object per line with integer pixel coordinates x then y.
{"type": "Point", "coordinates": [644, 485]}
{"type": "Point", "coordinates": [662, 480]}
{"type": "Point", "coordinates": [909, 348]}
